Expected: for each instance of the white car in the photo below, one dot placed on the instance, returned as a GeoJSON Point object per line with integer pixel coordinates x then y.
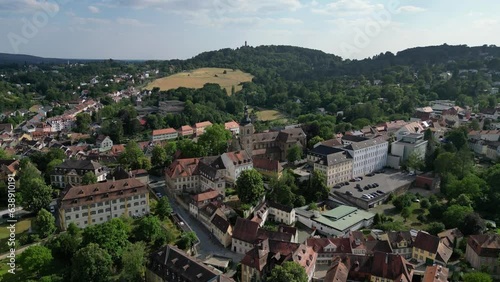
{"type": "Point", "coordinates": [159, 195]}
{"type": "Point", "coordinates": [52, 209]}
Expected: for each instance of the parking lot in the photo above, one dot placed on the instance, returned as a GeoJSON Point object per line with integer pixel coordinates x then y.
{"type": "Point", "coordinates": [387, 181]}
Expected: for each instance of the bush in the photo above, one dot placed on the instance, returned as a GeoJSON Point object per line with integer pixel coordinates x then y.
{"type": "Point", "coordinates": [425, 203]}
{"type": "Point", "coordinates": [435, 227]}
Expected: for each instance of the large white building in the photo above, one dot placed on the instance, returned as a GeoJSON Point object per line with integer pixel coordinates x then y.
{"type": "Point", "coordinates": [100, 202]}
{"type": "Point", "coordinates": [401, 150]}
{"type": "Point", "coordinates": [368, 155]}
{"type": "Point", "coordinates": [235, 163]}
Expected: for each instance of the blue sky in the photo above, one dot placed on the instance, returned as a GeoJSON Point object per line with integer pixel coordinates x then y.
{"type": "Point", "coordinates": [167, 29]}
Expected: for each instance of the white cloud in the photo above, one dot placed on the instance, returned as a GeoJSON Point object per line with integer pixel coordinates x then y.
{"type": "Point", "coordinates": [28, 6]}
{"type": "Point", "coordinates": [348, 8]}
{"type": "Point", "coordinates": [485, 23]}
{"type": "Point", "coordinates": [411, 9]}
{"type": "Point", "coordinates": [131, 22]}
{"type": "Point", "coordinates": [83, 21]}
{"type": "Point", "coordinates": [94, 9]}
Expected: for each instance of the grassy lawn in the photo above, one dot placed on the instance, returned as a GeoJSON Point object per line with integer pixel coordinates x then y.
{"type": "Point", "coordinates": [411, 222]}
{"type": "Point", "coordinates": [199, 77]}
{"type": "Point", "coordinates": [56, 267]}
{"type": "Point", "coordinates": [21, 226]}
{"type": "Point", "coordinates": [269, 115]}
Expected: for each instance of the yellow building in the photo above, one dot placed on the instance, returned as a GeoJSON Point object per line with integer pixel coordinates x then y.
{"type": "Point", "coordinates": [335, 164]}
{"type": "Point", "coordinates": [425, 247]}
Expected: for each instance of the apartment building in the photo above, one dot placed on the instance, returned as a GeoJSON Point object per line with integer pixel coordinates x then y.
{"type": "Point", "coordinates": [72, 171]}
{"type": "Point", "coordinates": [164, 134]}
{"type": "Point", "coordinates": [100, 202]}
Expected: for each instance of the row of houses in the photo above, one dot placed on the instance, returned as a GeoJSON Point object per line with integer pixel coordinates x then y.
{"type": "Point", "coordinates": [190, 131]}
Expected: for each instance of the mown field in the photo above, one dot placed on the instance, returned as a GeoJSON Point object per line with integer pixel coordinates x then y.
{"type": "Point", "coordinates": [268, 115]}
{"type": "Point", "coordinates": [199, 77]}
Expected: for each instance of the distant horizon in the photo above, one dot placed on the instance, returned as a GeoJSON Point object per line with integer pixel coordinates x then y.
{"type": "Point", "coordinates": [165, 29]}
{"type": "Point", "coordinates": [144, 60]}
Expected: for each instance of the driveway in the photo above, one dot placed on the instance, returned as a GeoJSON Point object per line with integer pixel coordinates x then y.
{"type": "Point", "coordinates": [208, 245]}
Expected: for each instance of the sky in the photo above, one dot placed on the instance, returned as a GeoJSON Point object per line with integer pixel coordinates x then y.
{"type": "Point", "coordinates": [181, 29]}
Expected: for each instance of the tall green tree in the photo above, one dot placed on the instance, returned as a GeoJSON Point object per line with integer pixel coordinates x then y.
{"type": "Point", "coordinates": [83, 121]}
{"type": "Point", "coordinates": [134, 262]}
{"type": "Point", "coordinates": [91, 263]}
{"type": "Point", "coordinates": [111, 236]}
{"type": "Point", "coordinates": [187, 240]}
{"type": "Point", "coordinates": [33, 193]}
{"type": "Point", "coordinates": [89, 178]}
{"type": "Point", "coordinates": [288, 272]}
{"type": "Point", "coordinates": [64, 246]}
{"type": "Point", "coordinates": [283, 189]}
{"type": "Point", "coordinates": [477, 277]}
{"type": "Point", "coordinates": [414, 162]}
{"type": "Point", "coordinates": [158, 156]}
{"type": "Point", "coordinates": [455, 214]}
{"type": "Point", "coordinates": [150, 230]}
{"type": "Point", "coordinates": [35, 258]}
{"type": "Point", "coordinates": [133, 157]}
{"type": "Point", "coordinates": [163, 208]}
{"type": "Point", "coordinates": [215, 139]}
{"type": "Point", "coordinates": [45, 223]}
{"type": "Point", "coordinates": [317, 189]}
{"type": "Point", "coordinates": [294, 154]}
{"type": "Point", "coordinates": [250, 187]}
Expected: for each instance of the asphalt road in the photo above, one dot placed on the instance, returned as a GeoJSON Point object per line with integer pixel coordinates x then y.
{"type": "Point", "coordinates": [208, 245]}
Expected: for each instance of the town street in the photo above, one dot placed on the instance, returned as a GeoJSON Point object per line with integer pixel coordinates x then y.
{"type": "Point", "coordinates": [208, 246]}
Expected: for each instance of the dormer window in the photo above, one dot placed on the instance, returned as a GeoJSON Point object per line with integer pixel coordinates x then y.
{"type": "Point", "coordinates": [125, 184]}
{"type": "Point", "coordinates": [112, 186]}
{"type": "Point", "coordinates": [96, 189]}
{"type": "Point", "coordinates": [80, 192]}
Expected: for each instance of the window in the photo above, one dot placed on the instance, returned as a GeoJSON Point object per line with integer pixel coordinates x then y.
{"type": "Point", "coordinates": [68, 217]}
{"type": "Point", "coordinates": [108, 209]}
{"type": "Point", "coordinates": [92, 212]}
{"type": "Point", "coordinates": [100, 211]}
{"type": "Point", "coordinates": [77, 216]}
{"type": "Point", "coordinates": [122, 206]}
{"type": "Point", "coordinates": [85, 214]}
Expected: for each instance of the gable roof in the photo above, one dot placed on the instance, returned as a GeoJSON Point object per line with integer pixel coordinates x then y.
{"type": "Point", "coordinates": [79, 164]}
{"type": "Point", "coordinates": [245, 230]}
{"type": "Point", "coordinates": [391, 266]}
{"type": "Point", "coordinates": [220, 223]}
{"type": "Point", "coordinates": [103, 188]}
{"type": "Point", "coordinates": [435, 273]}
{"type": "Point", "coordinates": [164, 131]}
{"type": "Point", "coordinates": [267, 164]}
{"type": "Point", "coordinates": [338, 272]}
{"type": "Point", "coordinates": [202, 124]}
{"type": "Point", "coordinates": [239, 157]}
{"type": "Point", "coordinates": [182, 168]}
{"type": "Point", "coordinates": [485, 245]}
{"type": "Point", "coordinates": [426, 242]}
{"type": "Point", "coordinates": [396, 237]}
{"type": "Point", "coordinates": [231, 124]}
{"type": "Point", "coordinates": [207, 195]}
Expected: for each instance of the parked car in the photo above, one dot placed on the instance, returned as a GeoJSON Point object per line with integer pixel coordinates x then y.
{"type": "Point", "coordinates": [376, 184]}
{"type": "Point", "coordinates": [357, 179]}
{"type": "Point", "coordinates": [348, 193]}
{"type": "Point", "coordinates": [52, 209]}
{"type": "Point", "coordinates": [366, 188]}
{"type": "Point", "coordinates": [159, 195]}
{"type": "Point", "coordinates": [416, 200]}
{"type": "Point", "coordinates": [358, 186]}
{"type": "Point", "coordinates": [380, 192]}
{"type": "Point", "coordinates": [370, 174]}
{"type": "Point", "coordinates": [346, 183]}
{"type": "Point", "coordinates": [336, 186]}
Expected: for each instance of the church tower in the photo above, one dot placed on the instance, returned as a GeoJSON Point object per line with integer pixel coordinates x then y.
{"type": "Point", "coordinates": [246, 133]}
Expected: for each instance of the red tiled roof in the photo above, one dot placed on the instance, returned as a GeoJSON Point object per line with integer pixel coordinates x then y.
{"type": "Point", "coordinates": [391, 266]}
{"type": "Point", "coordinates": [186, 128]}
{"type": "Point", "coordinates": [163, 131]}
{"type": "Point", "coordinates": [485, 245]}
{"type": "Point", "coordinates": [231, 124]}
{"type": "Point", "coordinates": [183, 167]}
{"type": "Point", "coordinates": [267, 165]}
{"type": "Point", "coordinates": [435, 273]}
{"type": "Point", "coordinates": [94, 191]}
{"type": "Point", "coordinates": [239, 157]}
{"type": "Point", "coordinates": [202, 124]}
{"type": "Point", "coordinates": [338, 272]}
{"type": "Point", "coordinates": [208, 195]}
{"type": "Point", "coordinates": [318, 244]}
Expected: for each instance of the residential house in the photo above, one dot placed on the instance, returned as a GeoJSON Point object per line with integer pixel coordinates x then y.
{"type": "Point", "coordinates": [200, 200]}
{"type": "Point", "coordinates": [490, 113]}
{"type": "Point", "coordinates": [200, 127]}
{"type": "Point", "coordinates": [103, 143]}
{"type": "Point", "coordinates": [8, 168]}
{"type": "Point", "coordinates": [423, 113]}
{"type": "Point", "coordinates": [329, 248]}
{"type": "Point", "coordinates": [435, 273]}
{"type": "Point", "coordinates": [72, 171]}
{"type": "Point", "coordinates": [487, 135]}
{"type": "Point", "coordinates": [275, 212]}
{"type": "Point", "coordinates": [267, 167]}
{"type": "Point", "coordinates": [232, 126]}
{"type": "Point", "coordinates": [164, 134]}
{"type": "Point", "coordinates": [368, 155]}
{"type": "Point", "coordinates": [244, 235]}
{"type": "Point", "coordinates": [428, 248]}
{"type": "Point", "coordinates": [401, 243]}
{"type": "Point", "coordinates": [338, 272]}
{"type": "Point", "coordinates": [483, 252]}
{"type": "Point", "coordinates": [6, 128]}
{"type": "Point", "coordinates": [100, 202]}
{"type": "Point", "coordinates": [173, 264]}
{"type": "Point", "coordinates": [182, 175]}
{"type": "Point", "coordinates": [186, 130]}
{"type": "Point", "coordinates": [390, 267]}
{"type": "Point", "coordinates": [451, 237]}
{"type": "Point", "coordinates": [222, 230]}
{"type": "Point", "coordinates": [235, 163]}
{"type": "Point", "coordinates": [212, 174]}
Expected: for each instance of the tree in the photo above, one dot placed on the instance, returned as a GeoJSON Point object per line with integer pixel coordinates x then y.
{"type": "Point", "coordinates": [45, 223]}
{"type": "Point", "coordinates": [471, 185]}
{"type": "Point", "coordinates": [425, 204]}
{"type": "Point", "coordinates": [405, 213]}
{"type": "Point", "coordinates": [158, 156]}
{"type": "Point", "coordinates": [403, 201]}
{"type": "Point", "coordinates": [288, 272]}
{"type": "Point", "coordinates": [315, 140]}
{"type": "Point", "coordinates": [317, 186]}
{"type": "Point", "coordinates": [414, 161]}
{"type": "Point", "coordinates": [250, 187]}
{"type": "Point", "coordinates": [294, 154]}
{"type": "Point", "coordinates": [133, 156]}
{"type": "Point", "coordinates": [64, 246]}
{"type": "Point", "coordinates": [111, 236]}
{"type": "Point", "coordinates": [376, 219]}
{"type": "Point", "coordinates": [187, 240]}
{"type": "Point", "coordinates": [150, 230]}
{"type": "Point", "coordinates": [34, 194]}
{"type": "Point", "coordinates": [473, 224]}
{"type": "Point", "coordinates": [4, 155]}
{"type": "Point", "coordinates": [477, 276]}
{"type": "Point", "coordinates": [163, 208]}
{"type": "Point", "coordinates": [91, 263]}
{"type": "Point", "coordinates": [282, 189]}
{"type": "Point", "coordinates": [435, 227]}
{"type": "Point", "coordinates": [458, 137]}
{"type": "Point", "coordinates": [89, 178]}
{"type": "Point", "coordinates": [83, 121]}
{"type": "Point", "coordinates": [215, 139]}
{"type": "Point", "coordinates": [134, 261]}
{"type": "Point", "coordinates": [35, 258]}
{"type": "Point", "coordinates": [455, 215]}
{"type": "Point", "coordinates": [442, 164]}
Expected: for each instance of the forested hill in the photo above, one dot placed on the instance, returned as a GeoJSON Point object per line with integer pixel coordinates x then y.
{"type": "Point", "coordinates": [296, 63]}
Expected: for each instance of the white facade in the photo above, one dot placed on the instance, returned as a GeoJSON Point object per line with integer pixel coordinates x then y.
{"type": "Point", "coordinates": [103, 211]}
{"type": "Point", "coordinates": [233, 170]}
{"type": "Point", "coordinates": [106, 144]}
{"type": "Point", "coordinates": [240, 247]}
{"type": "Point", "coordinates": [167, 135]}
{"type": "Point", "coordinates": [367, 159]}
